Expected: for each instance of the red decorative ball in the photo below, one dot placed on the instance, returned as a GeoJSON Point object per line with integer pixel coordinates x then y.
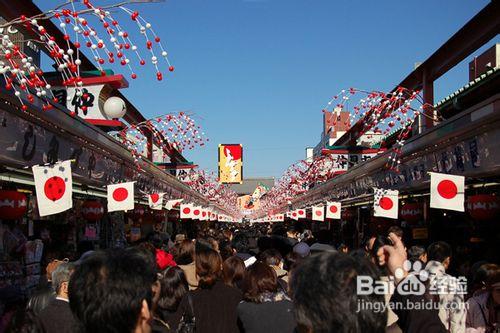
{"type": "Point", "coordinates": [134, 76]}
{"type": "Point", "coordinates": [171, 68]}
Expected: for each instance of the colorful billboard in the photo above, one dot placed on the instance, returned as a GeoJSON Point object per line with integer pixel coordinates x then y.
{"type": "Point", "coordinates": [230, 163]}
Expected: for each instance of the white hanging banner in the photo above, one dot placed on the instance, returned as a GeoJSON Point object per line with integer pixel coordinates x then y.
{"type": "Point", "coordinates": [294, 215]}
{"type": "Point", "coordinates": [318, 213]}
{"type": "Point", "coordinates": [386, 203]}
{"type": "Point", "coordinates": [54, 188]}
{"type": "Point", "coordinates": [447, 191]}
{"type": "Point", "coordinates": [155, 201]}
{"type": "Point", "coordinates": [186, 211]}
{"type": "Point", "coordinates": [196, 212]}
{"type": "Point", "coordinates": [172, 203]}
{"type": "Point", "coordinates": [301, 213]}
{"type": "Point", "coordinates": [121, 197]}
{"type": "Point", "coordinates": [333, 210]}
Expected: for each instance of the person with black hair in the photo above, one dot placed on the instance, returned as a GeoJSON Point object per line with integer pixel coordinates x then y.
{"type": "Point", "coordinates": [425, 318]}
{"type": "Point", "coordinates": [483, 308]}
{"type": "Point", "coordinates": [273, 258]}
{"type": "Point", "coordinates": [173, 288]}
{"type": "Point", "coordinates": [241, 245]}
{"type": "Point", "coordinates": [265, 307]}
{"type": "Point", "coordinates": [112, 291]}
{"type": "Point", "coordinates": [324, 292]}
{"type": "Point", "coordinates": [417, 253]}
{"type": "Point", "coordinates": [451, 294]}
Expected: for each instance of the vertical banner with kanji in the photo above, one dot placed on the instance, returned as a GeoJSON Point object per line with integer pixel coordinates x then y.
{"type": "Point", "coordinates": [230, 163]}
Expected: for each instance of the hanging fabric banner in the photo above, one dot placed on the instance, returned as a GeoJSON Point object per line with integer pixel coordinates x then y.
{"type": "Point", "coordinates": [447, 191]}
{"type": "Point", "coordinates": [54, 187]}
{"type": "Point", "coordinates": [121, 197]}
{"type": "Point", "coordinates": [318, 213]}
{"type": "Point", "coordinates": [333, 210]}
{"type": "Point", "coordinates": [386, 203]}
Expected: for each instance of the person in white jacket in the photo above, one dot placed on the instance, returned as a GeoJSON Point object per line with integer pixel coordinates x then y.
{"type": "Point", "coordinates": [451, 291]}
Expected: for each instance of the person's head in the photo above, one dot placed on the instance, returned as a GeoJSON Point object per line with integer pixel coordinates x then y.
{"type": "Point", "coordinates": [302, 249]}
{"type": "Point", "coordinates": [173, 287]}
{"type": "Point", "coordinates": [292, 233]}
{"type": "Point", "coordinates": [51, 267]}
{"type": "Point", "coordinates": [396, 230]}
{"type": "Point", "coordinates": [324, 291]}
{"type": "Point", "coordinates": [184, 252]}
{"type": "Point", "coordinates": [440, 252]}
{"type": "Point", "coordinates": [225, 249]}
{"type": "Point", "coordinates": [111, 291]}
{"type": "Point", "coordinates": [343, 248]}
{"type": "Point", "coordinates": [369, 243]}
{"type": "Point", "coordinates": [228, 234]}
{"type": "Point", "coordinates": [233, 270]}
{"type": "Point", "coordinates": [259, 279]}
{"type": "Point", "coordinates": [378, 242]}
{"type": "Point", "coordinates": [271, 257]}
{"type": "Point", "coordinates": [240, 243]}
{"type": "Point", "coordinates": [214, 243]}
{"type": "Point", "coordinates": [291, 261]}
{"type": "Point", "coordinates": [61, 277]}
{"type": "Point", "coordinates": [493, 284]}
{"type": "Point", "coordinates": [417, 253]}
{"type": "Point", "coordinates": [208, 267]}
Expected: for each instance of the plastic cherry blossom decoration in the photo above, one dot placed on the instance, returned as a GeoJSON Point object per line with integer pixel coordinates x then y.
{"type": "Point", "coordinates": [171, 131]}
{"type": "Point", "coordinates": [389, 115]}
{"type": "Point", "coordinates": [84, 26]}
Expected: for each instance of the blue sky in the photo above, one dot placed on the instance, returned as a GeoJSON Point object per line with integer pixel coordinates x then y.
{"type": "Point", "coordinates": [258, 72]}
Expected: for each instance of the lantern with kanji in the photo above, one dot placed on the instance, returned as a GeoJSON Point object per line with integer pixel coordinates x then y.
{"type": "Point", "coordinates": [13, 205]}
{"type": "Point", "coordinates": [92, 210]}
{"type": "Point", "coordinates": [412, 212]}
{"type": "Point", "coordinates": [483, 206]}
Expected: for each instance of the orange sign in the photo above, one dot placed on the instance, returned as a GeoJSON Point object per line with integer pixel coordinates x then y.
{"type": "Point", "coordinates": [230, 163]}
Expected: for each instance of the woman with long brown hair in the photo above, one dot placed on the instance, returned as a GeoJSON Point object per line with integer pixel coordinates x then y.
{"type": "Point", "coordinates": [214, 303]}
{"type": "Point", "coordinates": [266, 308]}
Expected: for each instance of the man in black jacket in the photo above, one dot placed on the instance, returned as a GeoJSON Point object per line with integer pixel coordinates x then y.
{"type": "Point", "coordinates": [57, 316]}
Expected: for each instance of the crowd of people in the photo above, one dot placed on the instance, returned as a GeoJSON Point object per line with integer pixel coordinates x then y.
{"type": "Point", "coordinates": [260, 278]}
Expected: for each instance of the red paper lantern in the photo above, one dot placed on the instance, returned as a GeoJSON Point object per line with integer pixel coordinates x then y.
{"type": "Point", "coordinates": [483, 206]}
{"type": "Point", "coordinates": [92, 210]}
{"type": "Point", "coordinates": [412, 212]}
{"type": "Point", "coordinates": [13, 205]}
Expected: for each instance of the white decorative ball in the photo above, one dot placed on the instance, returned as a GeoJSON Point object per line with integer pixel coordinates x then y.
{"type": "Point", "coordinates": [115, 107]}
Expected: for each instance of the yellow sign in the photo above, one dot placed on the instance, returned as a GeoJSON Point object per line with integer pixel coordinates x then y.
{"type": "Point", "coordinates": [230, 164]}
